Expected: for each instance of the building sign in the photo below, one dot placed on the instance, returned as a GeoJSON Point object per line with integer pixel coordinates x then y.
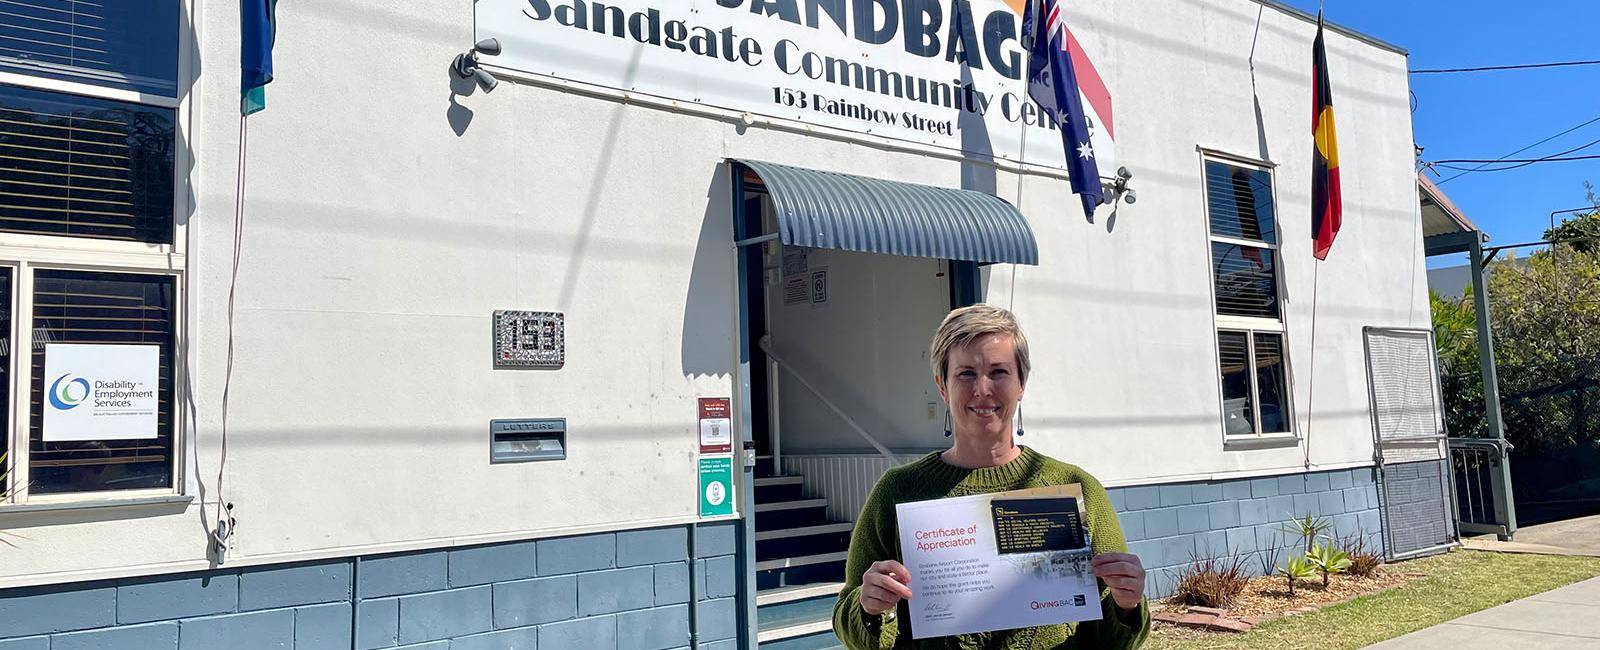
{"type": "Point", "coordinates": [945, 72]}
{"type": "Point", "coordinates": [716, 486]}
{"type": "Point", "coordinates": [529, 339]}
{"type": "Point", "coordinates": [100, 392]}
{"type": "Point", "coordinates": [796, 266]}
{"type": "Point", "coordinates": [716, 425]}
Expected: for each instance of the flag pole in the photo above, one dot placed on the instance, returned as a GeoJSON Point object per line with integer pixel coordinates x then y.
{"type": "Point", "coordinates": [1022, 151]}
{"type": "Point", "coordinates": [1311, 382]}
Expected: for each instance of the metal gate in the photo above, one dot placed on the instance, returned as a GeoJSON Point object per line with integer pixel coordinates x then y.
{"type": "Point", "coordinates": [1409, 441]}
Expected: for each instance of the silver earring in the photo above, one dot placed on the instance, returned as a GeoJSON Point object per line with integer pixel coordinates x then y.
{"type": "Point", "coordinates": [947, 432]}
{"type": "Point", "coordinates": [1019, 419]}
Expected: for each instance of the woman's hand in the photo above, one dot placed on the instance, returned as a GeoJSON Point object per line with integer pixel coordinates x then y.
{"type": "Point", "coordinates": [1123, 574]}
{"type": "Point", "coordinates": [884, 585]}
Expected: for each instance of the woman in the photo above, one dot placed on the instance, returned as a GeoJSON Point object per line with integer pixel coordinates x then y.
{"type": "Point", "coordinates": [980, 363]}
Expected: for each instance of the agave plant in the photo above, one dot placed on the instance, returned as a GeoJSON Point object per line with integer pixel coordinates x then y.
{"type": "Point", "coordinates": [1307, 527]}
{"type": "Point", "coordinates": [1328, 559]}
{"type": "Point", "coordinates": [1299, 568]}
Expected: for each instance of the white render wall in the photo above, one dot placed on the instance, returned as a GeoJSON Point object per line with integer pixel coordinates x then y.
{"type": "Point", "coordinates": [378, 242]}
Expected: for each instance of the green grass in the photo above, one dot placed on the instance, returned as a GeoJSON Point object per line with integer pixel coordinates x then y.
{"type": "Point", "coordinates": [1458, 583]}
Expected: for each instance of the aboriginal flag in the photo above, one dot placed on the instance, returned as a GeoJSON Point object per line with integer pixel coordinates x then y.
{"type": "Point", "coordinates": [1327, 209]}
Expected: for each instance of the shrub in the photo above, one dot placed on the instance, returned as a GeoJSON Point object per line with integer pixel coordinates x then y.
{"type": "Point", "coordinates": [1364, 561]}
{"type": "Point", "coordinates": [1328, 559]}
{"type": "Point", "coordinates": [1212, 580]}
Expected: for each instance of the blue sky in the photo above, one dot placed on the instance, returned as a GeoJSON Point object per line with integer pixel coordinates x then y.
{"type": "Point", "coordinates": [1490, 114]}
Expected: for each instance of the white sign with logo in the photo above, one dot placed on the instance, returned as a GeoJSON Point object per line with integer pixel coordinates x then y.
{"type": "Point", "coordinates": [100, 392]}
{"type": "Point", "coordinates": [945, 72]}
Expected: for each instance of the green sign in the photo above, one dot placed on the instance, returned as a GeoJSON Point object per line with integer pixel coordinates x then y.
{"type": "Point", "coordinates": [716, 486]}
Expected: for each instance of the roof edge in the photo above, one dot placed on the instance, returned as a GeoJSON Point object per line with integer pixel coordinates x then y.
{"type": "Point", "coordinates": [1442, 200]}
{"type": "Point", "coordinates": [1312, 18]}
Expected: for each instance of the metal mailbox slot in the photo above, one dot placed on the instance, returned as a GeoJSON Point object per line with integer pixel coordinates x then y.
{"type": "Point", "coordinates": [521, 441]}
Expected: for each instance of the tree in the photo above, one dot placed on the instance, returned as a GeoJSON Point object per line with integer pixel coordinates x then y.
{"type": "Point", "coordinates": [1545, 312]}
{"type": "Point", "coordinates": [1582, 232]}
{"type": "Point", "coordinates": [1455, 332]}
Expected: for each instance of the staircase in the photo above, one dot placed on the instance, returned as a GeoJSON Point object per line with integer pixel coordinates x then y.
{"type": "Point", "coordinates": [799, 564]}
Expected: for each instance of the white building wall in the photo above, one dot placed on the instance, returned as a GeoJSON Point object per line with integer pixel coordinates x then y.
{"type": "Point", "coordinates": [387, 217]}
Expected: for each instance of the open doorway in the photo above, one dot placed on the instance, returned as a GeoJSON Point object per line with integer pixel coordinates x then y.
{"type": "Point", "coordinates": [843, 280]}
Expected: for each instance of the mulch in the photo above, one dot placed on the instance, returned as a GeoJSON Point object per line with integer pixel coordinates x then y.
{"type": "Point", "coordinates": [1266, 598]}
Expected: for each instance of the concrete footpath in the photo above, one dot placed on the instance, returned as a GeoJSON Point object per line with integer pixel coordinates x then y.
{"type": "Point", "coordinates": [1568, 617]}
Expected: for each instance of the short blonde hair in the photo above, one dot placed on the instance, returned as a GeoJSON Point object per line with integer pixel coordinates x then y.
{"type": "Point", "coordinates": [965, 325]}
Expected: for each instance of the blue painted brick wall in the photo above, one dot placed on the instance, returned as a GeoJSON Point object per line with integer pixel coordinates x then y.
{"type": "Point", "coordinates": [147, 636]}
{"type": "Point", "coordinates": [629, 589]}
{"type": "Point", "coordinates": [481, 565]}
{"type": "Point", "coordinates": [265, 630]}
{"type": "Point", "coordinates": [322, 627]}
{"type": "Point", "coordinates": [38, 610]}
{"type": "Point", "coordinates": [306, 584]}
{"type": "Point", "coordinates": [1169, 525]}
{"type": "Point", "coordinates": [155, 599]}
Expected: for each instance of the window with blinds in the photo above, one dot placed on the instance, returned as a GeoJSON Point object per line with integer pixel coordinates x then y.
{"type": "Point", "coordinates": [1239, 200]}
{"type": "Point", "coordinates": [124, 44]}
{"type": "Point", "coordinates": [85, 167]}
{"type": "Point", "coordinates": [109, 309]}
{"type": "Point", "coordinates": [1253, 371]}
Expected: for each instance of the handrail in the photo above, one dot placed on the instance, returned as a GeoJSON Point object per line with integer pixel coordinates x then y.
{"type": "Point", "coordinates": [1497, 444]}
{"type": "Point", "coordinates": [1481, 478]}
{"type": "Point", "coordinates": [766, 346]}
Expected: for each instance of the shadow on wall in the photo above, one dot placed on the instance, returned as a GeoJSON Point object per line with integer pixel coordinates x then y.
{"type": "Point", "coordinates": [977, 166]}
{"type": "Point", "coordinates": [459, 117]}
{"type": "Point", "coordinates": [709, 311]}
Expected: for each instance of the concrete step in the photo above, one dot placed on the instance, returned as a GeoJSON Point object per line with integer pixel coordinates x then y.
{"type": "Point", "coordinates": [797, 612]}
{"type": "Point", "coordinates": [809, 543]}
{"type": "Point", "coordinates": [805, 531]}
{"type": "Point", "coordinates": [804, 560]}
{"type": "Point", "coordinates": [802, 592]}
{"type": "Point", "coordinates": [779, 488]}
{"type": "Point", "coordinates": [794, 504]}
{"type": "Point", "coordinates": [794, 513]}
{"type": "Point", "coordinates": [806, 636]}
{"type": "Point", "coordinates": [800, 571]}
{"type": "Point", "coordinates": [797, 617]}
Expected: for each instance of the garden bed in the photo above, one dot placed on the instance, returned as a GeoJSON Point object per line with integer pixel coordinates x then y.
{"type": "Point", "coordinates": [1405, 597]}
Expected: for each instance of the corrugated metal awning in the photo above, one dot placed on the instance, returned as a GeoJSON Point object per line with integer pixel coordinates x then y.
{"type": "Point", "coordinates": [819, 209]}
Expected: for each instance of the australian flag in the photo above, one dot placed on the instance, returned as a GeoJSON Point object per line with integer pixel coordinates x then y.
{"type": "Point", "coordinates": [1053, 83]}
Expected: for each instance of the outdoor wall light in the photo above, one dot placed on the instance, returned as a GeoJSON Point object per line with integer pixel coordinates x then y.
{"type": "Point", "coordinates": [466, 64]}
{"type": "Point", "coordinates": [1118, 189]}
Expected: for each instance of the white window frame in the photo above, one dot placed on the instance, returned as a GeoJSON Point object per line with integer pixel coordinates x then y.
{"type": "Point", "coordinates": [27, 253]}
{"type": "Point", "coordinates": [1246, 324]}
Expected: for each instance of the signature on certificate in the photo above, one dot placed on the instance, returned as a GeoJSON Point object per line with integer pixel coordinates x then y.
{"type": "Point", "coordinates": [936, 608]}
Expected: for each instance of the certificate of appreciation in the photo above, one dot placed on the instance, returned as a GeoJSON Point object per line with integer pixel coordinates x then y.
{"type": "Point", "coordinates": [998, 561]}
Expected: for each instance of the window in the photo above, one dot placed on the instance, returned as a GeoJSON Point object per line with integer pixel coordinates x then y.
{"type": "Point", "coordinates": [85, 167]}
{"type": "Point", "coordinates": [91, 123]}
{"type": "Point", "coordinates": [1251, 353]}
{"type": "Point", "coordinates": [101, 309]}
{"type": "Point", "coordinates": [123, 44]}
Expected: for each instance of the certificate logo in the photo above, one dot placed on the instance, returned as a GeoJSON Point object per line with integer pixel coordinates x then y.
{"type": "Point", "coordinates": [68, 393]}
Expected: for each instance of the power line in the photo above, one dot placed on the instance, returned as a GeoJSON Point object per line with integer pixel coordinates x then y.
{"type": "Point", "coordinates": [1502, 158]}
{"type": "Point", "coordinates": [1518, 164]}
{"type": "Point", "coordinates": [1443, 164]}
{"type": "Point", "coordinates": [1525, 66]}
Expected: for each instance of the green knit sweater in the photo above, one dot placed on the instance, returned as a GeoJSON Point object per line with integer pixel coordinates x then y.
{"type": "Point", "coordinates": [875, 538]}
